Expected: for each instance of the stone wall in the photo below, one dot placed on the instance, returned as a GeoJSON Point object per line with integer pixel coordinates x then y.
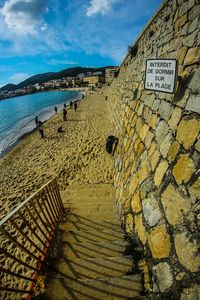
{"type": "Point", "coordinates": [157, 158]}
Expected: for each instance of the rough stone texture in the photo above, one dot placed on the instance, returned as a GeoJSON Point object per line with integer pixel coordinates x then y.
{"type": "Point", "coordinates": [192, 57]}
{"type": "Point", "coordinates": [136, 202]}
{"type": "Point", "coordinates": [151, 210]}
{"type": "Point", "coordinates": [195, 189]}
{"type": "Point", "coordinates": [192, 293]}
{"type": "Point", "coordinates": [159, 242]}
{"type": "Point", "coordinates": [129, 224]}
{"type": "Point", "coordinates": [187, 251]}
{"type": "Point", "coordinates": [193, 104]}
{"type": "Point", "coordinates": [175, 206]}
{"type": "Point", "coordinates": [162, 154]}
{"type": "Point", "coordinates": [162, 277]}
{"type": "Point", "coordinates": [173, 151]}
{"type": "Point", "coordinates": [187, 132]}
{"type": "Point", "coordinates": [140, 229]}
{"type": "Point", "coordinates": [160, 172]}
{"type": "Point", "coordinates": [183, 169]}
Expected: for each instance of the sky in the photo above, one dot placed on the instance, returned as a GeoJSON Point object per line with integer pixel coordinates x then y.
{"type": "Point", "coordinates": [38, 36]}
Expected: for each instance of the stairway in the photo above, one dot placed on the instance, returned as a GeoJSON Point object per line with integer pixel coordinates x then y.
{"type": "Point", "coordinates": [87, 259]}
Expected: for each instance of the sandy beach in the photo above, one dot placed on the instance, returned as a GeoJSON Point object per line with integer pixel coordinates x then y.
{"type": "Point", "coordinates": [75, 156]}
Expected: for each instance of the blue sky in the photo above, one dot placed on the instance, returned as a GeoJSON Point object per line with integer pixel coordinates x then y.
{"type": "Point", "coordinates": [38, 36]}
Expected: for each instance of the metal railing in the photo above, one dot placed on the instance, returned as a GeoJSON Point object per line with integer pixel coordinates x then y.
{"type": "Point", "coordinates": [25, 236]}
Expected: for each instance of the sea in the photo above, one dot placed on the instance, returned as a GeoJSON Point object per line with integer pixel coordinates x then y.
{"type": "Point", "coordinates": [17, 115]}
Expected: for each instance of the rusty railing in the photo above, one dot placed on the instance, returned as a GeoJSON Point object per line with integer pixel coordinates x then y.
{"type": "Point", "coordinates": [25, 236]}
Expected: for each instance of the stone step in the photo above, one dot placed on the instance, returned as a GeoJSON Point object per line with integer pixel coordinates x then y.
{"type": "Point", "coordinates": [92, 250]}
{"type": "Point", "coordinates": [95, 267]}
{"type": "Point", "coordinates": [92, 236]}
{"type": "Point", "coordinates": [116, 288]}
{"type": "Point", "coordinates": [80, 223]}
{"type": "Point", "coordinates": [97, 217]}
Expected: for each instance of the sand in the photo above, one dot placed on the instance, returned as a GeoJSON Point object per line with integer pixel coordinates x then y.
{"type": "Point", "coordinates": [76, 156]}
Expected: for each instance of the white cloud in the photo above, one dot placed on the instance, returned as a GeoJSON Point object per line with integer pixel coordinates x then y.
{"type": "Point", "coordinates": [24, 16]}
{"type": "Point", "coordinates": [55, 62]}
{"type": "Point", "coordinates": [100, 7]}
{"type": "Point", "coordinates": [18, 77]}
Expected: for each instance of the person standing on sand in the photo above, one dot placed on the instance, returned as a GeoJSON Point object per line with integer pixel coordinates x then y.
{"type": "Point", "coordinates": [64, 114]}
{"type": "Point", "coordinates": [65, 105]}
{"type": "Point", "coordinates": [75, 106]}
{"type": "Point", "coordinates": [71, 104]}
{"type": "Point", "coordinates": [41, 128]}
{"type": "Point", "coordinates": [56, 109]}
{"type": "Point", "coordinates": [36, 121]}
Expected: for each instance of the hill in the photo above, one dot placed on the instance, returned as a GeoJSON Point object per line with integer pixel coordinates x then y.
{"type": "Point", "coordinates": [40, 78]}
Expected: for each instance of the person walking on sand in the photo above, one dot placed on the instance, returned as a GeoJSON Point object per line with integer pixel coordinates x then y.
{"type": "Point", "coordinates": [71, 104]}
{"type": "Point", "coordinates": [65, 105]}
{"type": "Point", "coordinates": [41, 128]}
{"type": "Point", "coordinates": [56, 109]}
{"type": "Point", "coordinates": [75, 106]}
{"type": "Point", "coordinates": [64, 114]}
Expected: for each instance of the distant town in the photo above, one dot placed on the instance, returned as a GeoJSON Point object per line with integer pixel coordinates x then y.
{"type": "Point", "coordinates": [89, 79]}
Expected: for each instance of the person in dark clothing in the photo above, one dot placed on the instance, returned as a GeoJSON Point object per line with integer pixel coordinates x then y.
{"type": "Point", "coordinates": [41, 128]}
{"type": "Point", "coordinates": [65, 105]}
{"type": "Point", "coordinates": [71, 104]}
{"type": "Point", "coordinates": [56, 109]}
{"type": "Point", "coordinates": [36, 121]}
{"type": "Point", "coordinates": [64, 114]}
{"type": "Point", "coordinates": [75, 106]}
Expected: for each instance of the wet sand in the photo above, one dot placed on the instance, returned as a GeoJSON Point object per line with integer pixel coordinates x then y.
{"type": "Point", "coordinates": [76, 156]}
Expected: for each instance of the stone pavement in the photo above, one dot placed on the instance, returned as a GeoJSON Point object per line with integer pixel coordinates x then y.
{"type": "Point", "coordinates": [88, 259]}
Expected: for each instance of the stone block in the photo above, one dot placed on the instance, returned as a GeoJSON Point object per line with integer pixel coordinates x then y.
{"type": "Point", "coordinates": [151, 210]}
{"type": "Point", "coordinates": [181, 22]}
{"type": "Point", "coordinates": [129, 224]}
{"type": "Point", "coordinates": [175, 118]}
{"type": "Point", "coordinates": [161, 132]}
{"type": "Point", "coordinates": [192, 57]}
{"type": "Point", "coordinates": [165, 145]}
{"type": "Point", "coordinates": [183, 169]}
{"type": "Point", "coordinates": [193, 84]}
{"type": "Point", "coordinates": [197, 145]}
{"type": "Point", "coordinates": [139, 125]}
{"type": "Point", "coordinates": [133, 184]}
{"type": "Point", "coordinates": [153, 121]}
{"type": "Point", "coordinates": [187, 251]}
{"type": "Point", "coordinates": [189, 39]}
{"type": "Point", "coordinates": [187, 131]}
{"type": "Point", "coordinates": [165, 110]}
{"type": "Point", "coordinates": [162, 277]}
{"type": "Point", "coordinates": [159, 242]}
{"type": "Point", "coordinates": [152, 148]}
{"type": "Point", "coordinates": [175, 206]}
{"type": "Point", "coordinates": [173, 150]}
{"type": "Point", "coordinates": [193, 104]}
{"type": "Point", "coordinates": [192, 293]}
{"type": "Point", "coordinates": [194, 190]}
{"type": "Point", "coordinates": [181, 55]}
{"type": "Point", "coordinates": [154, 159]}
{"type": "Point", "coordinates": [140, 229]}
{"type": "Point", "coordinates": [194, 25]}
{"type": "Point", "coordinates": [144, 172]}
{"type": "Point", "coordinates": [150, 136]}
{"type": "Point", "coordinates": [183, 8]}
{"type": "Point", "coordinates": [136, 203]}
{"type": "Point", "coordinates": [143, 132]}
{"type": "Point", "coordinates": [160, 172]}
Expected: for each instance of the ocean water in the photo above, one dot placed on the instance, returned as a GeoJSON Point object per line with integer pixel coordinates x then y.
{"type": "Point", "coordinates": [17, 115]}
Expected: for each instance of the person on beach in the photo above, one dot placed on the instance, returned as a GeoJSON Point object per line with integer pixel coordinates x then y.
{"type": "Point", "coordinates": [64, 114]}
{"type": "Point", "coordinates": [41, 128]}
{"type": "Point", "coordinates": [65, 105]}
{"type": "Point", "coordinates": [36, 121]}
{"type": "Point", "coordinates": [75, 106]}
{"type": "Point", "coordinates": [71, 104]}
{"type": "Point", "coordinates": [56, 109]}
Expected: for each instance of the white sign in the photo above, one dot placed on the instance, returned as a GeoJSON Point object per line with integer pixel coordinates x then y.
{"type": "Point", "coordinates": [161, 75]}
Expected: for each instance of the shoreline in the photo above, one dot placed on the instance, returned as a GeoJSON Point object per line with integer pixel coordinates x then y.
{"type": "Point", "coordinates": [10, 147]}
